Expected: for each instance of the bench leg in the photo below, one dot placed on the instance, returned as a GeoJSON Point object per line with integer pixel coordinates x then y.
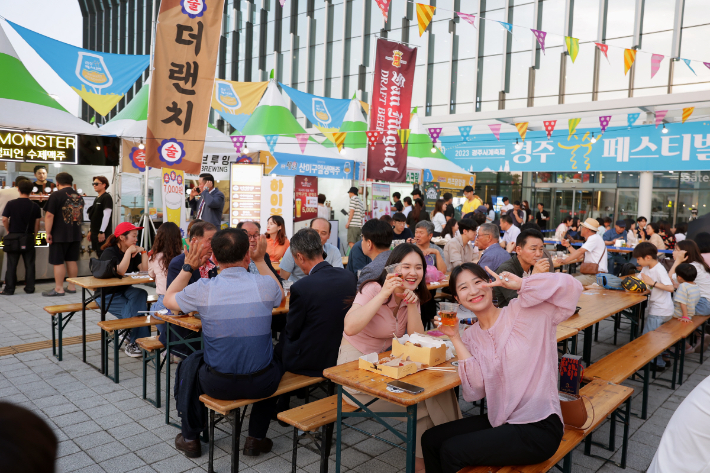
{"type": "Point", "coordinates": [236, 431]}
{"type": "Point", "coordinates": [339, 429]}
{"type": "Point", "coordinates": [326, 445]}
{"type": "Point", "coordinates": [567, 463]}
{"type": "Point", "coordinates": [596, 331]}
{"type": "Point", "coordinates": [145, 373]}
{"type": "Point", "coordinates": [676, 357]}
{"type": "Point", "coordinates": [54, 324]}
{"type": "Point", "coordinates": [625, 439]}
{"type": "Point", "coordinates": [294, 454]}
{"type": "Point", "coordinates": [210, 462]}
{"type": "Point", "coordinates": [682, 362]}
{"type": "Point", "coordinates": [158, 368]}
{"type": "Point", "coordinates": [646, 380]}
{"type": "Point", "coordinates": [115, 356]}
{"type": "Point", "coordinates": [702, 341]}
{"type": "Point", "coordinates": [617, 324]}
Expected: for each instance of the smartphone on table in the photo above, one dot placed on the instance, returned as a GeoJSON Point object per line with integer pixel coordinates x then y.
{"type": "Point", "coordinates": [406, 387]}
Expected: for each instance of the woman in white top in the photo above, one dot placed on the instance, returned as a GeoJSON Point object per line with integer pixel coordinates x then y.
{"type": "Point", "coordinates": [491, 213]}
{"type": "Point", "coordinates": [687, 251]}
{"type": "Point", "coordinates": [680, 230]}
{"type": "Point", "coordinates": [438, 218]}
{"type": "Point", "coordinates": [563, 228]}
{"type": "Point", "coordinates": [631, 238]}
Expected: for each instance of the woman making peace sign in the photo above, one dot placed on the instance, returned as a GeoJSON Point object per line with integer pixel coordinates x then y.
{"type": "Point", "coordinates": [510, 358]}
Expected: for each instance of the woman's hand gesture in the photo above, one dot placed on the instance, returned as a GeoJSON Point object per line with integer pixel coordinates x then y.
{"type": "Point", "coordinates": [505, 279]}
{"type": "Point", "coordinates": [392, 282]}
{"type": "Point", "coordinates": [679, 256]}
{"type": "Point", "coordinates": [409, 296]}
{"type": "Point", "coordinates": [451, 331]}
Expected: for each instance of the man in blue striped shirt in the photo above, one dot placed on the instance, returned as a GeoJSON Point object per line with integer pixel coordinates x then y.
{"type": "Point", "coordinates": [235, 308]}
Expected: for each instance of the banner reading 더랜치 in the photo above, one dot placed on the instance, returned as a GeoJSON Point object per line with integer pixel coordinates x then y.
{"type": "Point", "coordinates": [186, 43]}
{"type": "Point", "coordinates": [391, 101]}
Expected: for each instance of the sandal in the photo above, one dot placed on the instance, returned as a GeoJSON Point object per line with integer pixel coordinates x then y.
{"type": "Point", "coordinates": [69, 291]}
{"type": "Point", "coordinates": [52, 293]}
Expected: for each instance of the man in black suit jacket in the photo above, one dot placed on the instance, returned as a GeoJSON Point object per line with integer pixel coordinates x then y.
{"type": "Point", "coordinates": [317, 307]}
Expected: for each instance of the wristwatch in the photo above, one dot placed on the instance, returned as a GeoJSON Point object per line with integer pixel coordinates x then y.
{"type": "Point", "coordinates": [187, 267]}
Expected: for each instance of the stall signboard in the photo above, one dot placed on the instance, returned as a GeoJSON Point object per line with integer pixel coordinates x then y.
{"type": "Point", "coordinates": [414, 176]}
{"type": "Point", "coordinates": [431, 193]}
{"type": "Point", "coordinates": [285, 164]}
{"type": "Point", "coordinates": [217, 165]}
{"type": "Point", "coordinates": [245, 194]}
{"type": "Point", "coordinates": [449, 180]}
{"type": "Point", "coordinates": [380, 200]}
{"type": "Point", "coordinates": [40, 240]}
{"type": "Point", "coordinates": [306, 201]}
{"type": "Point", "coordinates": [174, 198]}
{"type": "Point", "coordinates": [30, 147]}
{"type": "Point", "coordinates": [277, 199]}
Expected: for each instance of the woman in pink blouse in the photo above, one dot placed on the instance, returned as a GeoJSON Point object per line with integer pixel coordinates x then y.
{"type": "Point", "coordinates": [510, 358]}
{"type": "Point", "coordinates": [388, 306]}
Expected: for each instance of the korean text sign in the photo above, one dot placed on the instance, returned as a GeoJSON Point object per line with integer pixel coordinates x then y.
{"type": "Point", "coordinates": [277, 199]}
{"type": "Point", "coordinates": [296, 164]}
{"type": "Point", "coordinates": [391, 102]}
{"type": "Point", "coordinates": [38, 147]}
{"type": "Point", "coordinates": [245, 193]}
{"type": "Point", "coordinates": [306, 198]}
{"type": "Point", "coordinates": [643, 148]}
{"type": "Point", "coordinates": [187, 40]}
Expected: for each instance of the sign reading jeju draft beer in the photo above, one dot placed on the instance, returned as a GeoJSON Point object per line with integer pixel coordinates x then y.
{"type": "Point", "coordinates": [186, 42]}
{"type": "Point", "coordinates": [389, 115]}
{"type": "Point", "coordinates": [306, 198]}
{"type": "Point", "coordinates": [38, 147]}
{"type": "Point", "coordinates": [245, 193]}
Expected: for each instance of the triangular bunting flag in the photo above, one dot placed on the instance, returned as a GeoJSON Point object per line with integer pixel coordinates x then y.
{"type": "Point", "coordinates": [573, 122]}
{"type": "Point", "coordinates": [414, 112]}
{"type": "Point", "coordinates": [469, 18]}
{"type": "Point", "coordinates": [384, 7]}
{"type": "Point", "coordinates": [660, 115]}
{"type": "Point", "coordinates": [302, 139]}
{"type": "Point", "coordinates": [632, 117]}
{"type": "Point", "coordinates": [282, 2]}
{"type": "Point", "coordinates": [629, 58]}
{"type": "Point", "coordinates": [687, 112]}
{"type": "Point", "coordinates": [495, 129]}
{"type": "Point", "coordinates": [604, 122]}
{"type": "Point", "coordinates": [507, 26]}
{"type": "Point", "coordinates": [522, 129]}
{"type": "Point", "coordinates": [604, 48]}
{"type": "Point", "coordinates": [656, 63]}
{"type": "Point", "coordinates": [549, 127]}
{"type": "Point", "coordinates": [540, 36]}
{"type": "Point", "coordinates": [572, 47]}
{"type": "Point", "coordinates": [339, 139]}
{"type": "Point", "coordinates": [434, 134]}
{"type": "Point", "coordinates": [424, 15]}
{"type": "Point", "coordinates": [707, 64]}
{"type": "Point", "coordinates": [238, 142]}
{"type": "Point", "coordinates": [465, 132]}
{"type": "Point", "coordinates": [271, 141]}
{"type": "Point", "coordinates": [687, 63]}
{"type": "Point", "coordinates": [403, 137]}
{"type": "Point", "coordinates": [372, 138]}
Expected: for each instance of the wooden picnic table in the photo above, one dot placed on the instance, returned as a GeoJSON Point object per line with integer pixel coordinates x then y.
{"type": "Point", "coordinates": [598, 304]}
{"type": "Point", "coordinates": [438, 285]}
{"type": "Point", "coordinates": [350, 376]}
{"type": "Point", "coordinates": [104, 288]}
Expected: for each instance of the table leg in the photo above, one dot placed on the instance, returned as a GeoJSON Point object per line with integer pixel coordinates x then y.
{"type": "Point", "coordinates": [83, 325]}
{"type": "Point", "coordinates": [625, 440]}
{"type": "Point", "coordinates": [411, 436]}
{"type": "Point", "coordinates": [587, 349]}
{"type": "Point", "coordinates": [339, 429]}
{"type": "Point", "coordinates": [646, 381]}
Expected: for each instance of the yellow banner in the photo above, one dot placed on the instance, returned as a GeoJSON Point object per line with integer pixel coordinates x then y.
{"type": "Point", "coordinates": [453, 180]}
{"type": "Point", "coordinates": [236, 101]}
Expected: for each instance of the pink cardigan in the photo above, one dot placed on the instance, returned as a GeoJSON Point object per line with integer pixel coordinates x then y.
{"type": "Point", "coordinates": [514, 363]}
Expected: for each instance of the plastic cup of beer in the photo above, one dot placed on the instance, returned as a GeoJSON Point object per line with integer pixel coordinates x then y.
{"type": "Point", "coordinates": [287, 287]}
{"type": "Point", "coordinates": [447, 312]}
{"type": "Point", "coordinates": [394, 270]}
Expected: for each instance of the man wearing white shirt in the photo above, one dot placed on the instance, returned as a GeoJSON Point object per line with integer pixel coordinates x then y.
{"type": "Point", "coordinates": [407, 205]}
{"type": "Point", "coordinates": [507, 206]}
{"type": "Point", "coordinates": [511, 233]}
{"type": "Point", "coordinates": [291, 271]}
{"type": "Point", "coordinates": [593, 251]}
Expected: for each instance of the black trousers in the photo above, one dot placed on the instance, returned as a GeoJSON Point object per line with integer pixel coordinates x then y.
{"type": "Point", "coordinates": [95, 245]}
{"type": "Point", "coordinates": [13, 259]}
{"type": "Point", "coordinates": [252, 387]}
{"type": "Point", "coordinates": [472, 441]}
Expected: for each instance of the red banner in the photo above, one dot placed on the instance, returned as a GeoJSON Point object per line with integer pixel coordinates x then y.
{"type": "Point", "coordinates": [306, 201]}
{"type": "Point", "coordinates": [391, 102]}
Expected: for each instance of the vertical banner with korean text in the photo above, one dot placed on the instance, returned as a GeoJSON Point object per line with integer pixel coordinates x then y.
{"type": "Point", "coordinates": [306, 203]}
{"type": "Point", "coordinates": [186, 44]}
{"type": "Point", "coordinates": [391, 103]}
{"type": "Point", "coordinates": [277, 199]}
{"type": "Point", "coordinates": [174, 198]}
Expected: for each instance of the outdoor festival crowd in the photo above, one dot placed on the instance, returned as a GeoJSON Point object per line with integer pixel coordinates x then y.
{"type": "Point", "coordinates": [337, 314]}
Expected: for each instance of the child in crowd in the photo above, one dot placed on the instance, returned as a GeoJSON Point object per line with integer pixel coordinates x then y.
{"type": "Point", "coordinates": [660, 303]}
{"type": "Point", "coordinates": [686, 297]}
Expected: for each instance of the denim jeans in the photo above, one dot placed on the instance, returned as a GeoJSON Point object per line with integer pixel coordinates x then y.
{"type": "Point", "coordinates": [652, 323]}
{"type": "Point", "coordinates": [126, 304]}
{"type": "Point", "coordinates": [703, 307]}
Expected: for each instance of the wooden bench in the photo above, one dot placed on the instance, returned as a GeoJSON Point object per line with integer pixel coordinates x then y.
{"type": "Point", "coordinates": [289, 382]}
{"type": "Point", "coordinates": [60, 321]}
{"type": "Point", "coordinates": [119, 328]}
{"type": "Point", "coordinates": [683, 330]}
{"type": "Point", "coordinates": [316, 415]}
{"type": "Point", "coordinates": [630, 358]}
{"type": "Point", "coordinates": [152, 351]}
{"type": "Point", "coordinates": [607, 399]}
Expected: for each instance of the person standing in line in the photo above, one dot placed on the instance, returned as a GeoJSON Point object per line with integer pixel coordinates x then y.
{"type": "Point", "coordinates": [593, 251]}
{"type": "Point", "coordinates": [542, 217]}
{"type": "Point", "coordinates": [100, 215]}
{"type": "Point", "coordinates": [62, 222]}
{"type": "Point", "coordinates": [438, 217]}
{"type": "Point", "coordinates": [354, 224]}
{"type": "Point", "coordinates": [211, 201]}
{"type": "Point", "coordinates": [518, 214]}
{"type": "Point", "coordinates": [528, 211]}
{"type": "Point", "coordinates": [6, 195]}
{"type": "Point", "coordinates": [507, 206]}
{"type": "Point", "coordinates": [450, 211]}
{"type": "Point", "coordinates": [395, 198]}
{"type": "Point", "coordinates": [323, 211]}
{"type": "Point", "coordinates": [407, 206]}
{"type": "Point", "coordinates": [21, 217]}
{"type": "Point", "coordinates": [42, 183]}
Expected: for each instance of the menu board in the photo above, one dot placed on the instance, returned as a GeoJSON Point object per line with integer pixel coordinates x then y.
{"type": "Point", "coordinates": [245, 193]}
{"type": "Point", "coordinates": [306, 202]}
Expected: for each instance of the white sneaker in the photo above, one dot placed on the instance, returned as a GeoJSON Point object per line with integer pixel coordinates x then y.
{"type": "Point", "coordinates": [133, 350]}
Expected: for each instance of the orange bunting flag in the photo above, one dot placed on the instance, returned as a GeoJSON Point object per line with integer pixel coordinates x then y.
{"type": "Point", "coordinates": [629, 58]}
{"type": "Point", "coordinates": [522, 129]}
{"type": "Point", "coordinates": [339, 139]}
{"type": "Point", "coordinates": [424, 15]}
{"type": "Point", "coordinates": [687, 112]}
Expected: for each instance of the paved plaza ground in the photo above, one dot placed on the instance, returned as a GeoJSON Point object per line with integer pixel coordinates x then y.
{"type": "Point", "coordinates": [102, 426]}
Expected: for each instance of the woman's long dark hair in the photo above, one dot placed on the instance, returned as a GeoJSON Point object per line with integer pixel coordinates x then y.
{"type": "Point", "coordinates": [693, 253]}
{"type": "Point", "coordinates": [281, 235]}
{"type": "Point", "coordinates": [396, 256]}
{"type": "Point", "coordinates": [168, 241]}
{"type": "Point", "coordinates": [112, 240]}
{"type": "Point", "coordinates": [438, 207]}
{"type": "Point", "coordinates": [416, 211]}
{"type": "Point", "coordinates": [472, 267]}
{"type": "Point", "coordinates": [449, 228]}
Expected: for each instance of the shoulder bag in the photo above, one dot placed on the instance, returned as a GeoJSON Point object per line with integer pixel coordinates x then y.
{"type": "Point", "coordinates": [103, 269]}
{"type": "Point", "coordinates": [574, 411]}
{"type": "Point", "coordinates": [592, 268]}
{"type": "Point", "coordinates": [18, 242]}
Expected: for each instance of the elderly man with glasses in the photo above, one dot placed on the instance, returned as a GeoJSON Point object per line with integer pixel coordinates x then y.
{"type": "Point", "coordinates": [252, 230]}
{"type": "Point", "coordinates": [487, 241]}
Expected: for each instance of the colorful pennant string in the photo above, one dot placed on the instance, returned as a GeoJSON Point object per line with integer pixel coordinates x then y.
{"type": "Point", "coordinates": [687, 63]}
{"type": "Point", "coordinates": [629, 58]}
{"type": "Point", "coordinates": [384, 7]}
{"type": "Point", "coordinates": [339, 139]}
{"type": "Point", "coordinates": [271, 141]}
{"type": "Point", "coordinates": [604, 122]}
{"type": "Point", "coordinates": [572, 47]}
{"type": "Point", "coordinates": [522, 129]}
{"type": "Point", "coordinates": [549, 127]}
{"type": "Point", "coordinates": [495, 129]}
{"type": "Point", "coordinates": [372, 138]}
{"type": "Point", "coordinates": [572, 123]}
{"type": "Point", "coordinates": [656, 63]}
{"type": "Point", "coordinates": [707, 64]}
{"type": "Point", "coordinates": [687, 112]}
{"type": "Point", "coordinates": [403, 137]}
{"type": "Point", "coordinates": [507, 26]}
{"type": "Point", "coordinates": [434, 134]}
{"type": "Point", "coordinates": [424, 15]}
{"type": "Point", "coordinates": [238, 142]}
{"type": "Point", "coordinates": [465, 132]}
{"type": "Point", "coordinates": [467, 17]}
{"type": "Point", "coordinates": [632, 117]}
{"type": "Point", "coordinates": [302, 139]}
{"type": "Point", "coordinates": [540, 36]}
{"type": "Point", "coordinates": [660, 115]}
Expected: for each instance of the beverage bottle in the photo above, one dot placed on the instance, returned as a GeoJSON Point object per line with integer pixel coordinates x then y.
{"type": "Point", "coordinates": [468, 321]}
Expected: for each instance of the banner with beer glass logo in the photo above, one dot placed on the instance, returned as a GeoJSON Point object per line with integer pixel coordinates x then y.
{"type": "Point", "coordinates": [186, 45]}
{"type": "Point", "coordinates": [391, 103]}
{"type": "Point", "coordinates": [174, 198]}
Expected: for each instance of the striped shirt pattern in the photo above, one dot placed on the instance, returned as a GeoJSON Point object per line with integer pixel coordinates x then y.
{"type": "Point", "coordinates": [357, 205]}
{"type": "Point", "coordinates": [688, 294]}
